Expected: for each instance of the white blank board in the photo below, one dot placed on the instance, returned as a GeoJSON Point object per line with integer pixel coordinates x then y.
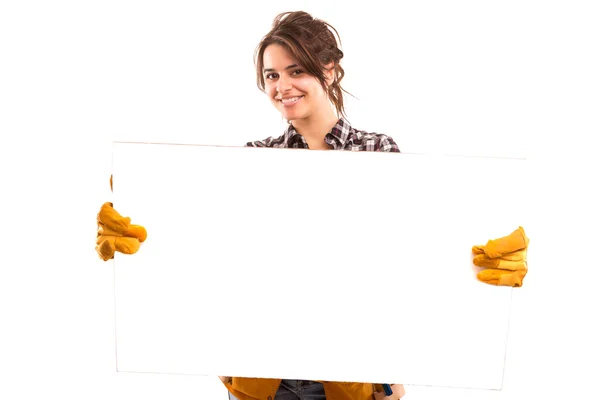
{"type": "Point", "coordinates": [323, 265]}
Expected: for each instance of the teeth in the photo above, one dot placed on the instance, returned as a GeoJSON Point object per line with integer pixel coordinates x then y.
{"type": "Point", "coordinates": [291, 99]}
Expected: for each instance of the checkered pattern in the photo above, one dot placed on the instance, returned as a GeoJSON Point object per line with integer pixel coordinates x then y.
{"type": "Point", "coordinates": [342, 137]}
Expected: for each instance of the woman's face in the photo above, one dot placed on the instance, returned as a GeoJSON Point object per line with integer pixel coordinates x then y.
{"type": "Point", "coordinates": [292, 91]}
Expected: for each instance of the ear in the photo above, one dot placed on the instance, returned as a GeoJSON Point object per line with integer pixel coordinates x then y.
{"type": "Point", "coordinates": [329, 70]}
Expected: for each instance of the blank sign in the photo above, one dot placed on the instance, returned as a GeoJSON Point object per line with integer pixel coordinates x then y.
{"type": "Point", "coordinates": [322, 265]}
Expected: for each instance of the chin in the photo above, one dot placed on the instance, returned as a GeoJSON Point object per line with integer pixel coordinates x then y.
{"type": "Point", "coordinates": [292, 116]}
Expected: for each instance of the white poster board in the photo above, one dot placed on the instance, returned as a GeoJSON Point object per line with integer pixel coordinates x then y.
{"type": "Point", "coordinates": [322, 265]}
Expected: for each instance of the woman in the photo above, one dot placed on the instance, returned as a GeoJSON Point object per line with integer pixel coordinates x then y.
{"type": "Point", "coordinates": [298, 67]}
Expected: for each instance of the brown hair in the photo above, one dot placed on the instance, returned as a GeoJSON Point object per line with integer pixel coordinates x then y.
{"type": "Point", "coordinates": [312, 43]}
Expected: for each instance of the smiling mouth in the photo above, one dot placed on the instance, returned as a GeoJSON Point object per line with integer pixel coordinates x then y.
{"type": "Point", "coordinates": [290, 101]}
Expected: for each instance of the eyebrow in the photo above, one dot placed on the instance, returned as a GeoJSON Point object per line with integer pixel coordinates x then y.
{"type": "Point", "coordinates": [286, 68]}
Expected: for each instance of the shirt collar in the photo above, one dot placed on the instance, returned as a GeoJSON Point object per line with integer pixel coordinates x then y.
{"type": "Point", "coordinates": [341, 132]}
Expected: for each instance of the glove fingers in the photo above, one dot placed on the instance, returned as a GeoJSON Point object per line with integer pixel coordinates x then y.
{"type": "Point", "coordinates": [513, 256]}
{"type": "Point", "coordinates": [512, 265]}
{"type": "Point", "coordinates": [137, 231]}
{"type": "Point", "coordinates": [104, 230]}
{"type": "Point", "coordinates": [108, 245]}
{"type": "Point", "coordinates": [477, 250]}
{"type": "Point", "coordinates": [517, 240]}
{"type": "Point", "coordinates": [105, 249]}
{"type": "Point", "coordinates": [482, 260]}
{"type": "Point", "coordinates": [127, 245]}
{"type": "Point", "coordinates": [502, 277]}
{"type": "Point", "coordinates": [112, 219]}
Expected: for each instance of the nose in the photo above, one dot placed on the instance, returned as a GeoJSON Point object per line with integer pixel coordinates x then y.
{"type": "Point", "coordinates": [284, 84]}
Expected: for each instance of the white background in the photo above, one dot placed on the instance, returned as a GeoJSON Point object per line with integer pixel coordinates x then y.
{"type": "Point", "coordinates": [465, 77]}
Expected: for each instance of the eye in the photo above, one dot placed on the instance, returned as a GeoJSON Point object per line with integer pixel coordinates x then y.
{"type": "Point", "coordinates": [297, 72]}
{"type": "Point", "coordinates": [271, 76]}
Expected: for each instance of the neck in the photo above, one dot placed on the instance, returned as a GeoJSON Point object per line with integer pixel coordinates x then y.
{"type": "Point", "coordinates": [314, 128]}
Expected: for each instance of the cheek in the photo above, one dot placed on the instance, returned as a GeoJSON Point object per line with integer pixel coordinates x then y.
{"type": "Point", "coordinates": [305, 84]}
{"type": "Point", "coordinates": [310, 85]}
{"type": "Point", "coordinates": [270, 91]}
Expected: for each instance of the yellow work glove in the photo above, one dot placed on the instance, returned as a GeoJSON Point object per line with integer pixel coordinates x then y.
{"type": "Point", "coordinates": [116, 233]}
{"type": "Point", "coordinates": [505, 259]}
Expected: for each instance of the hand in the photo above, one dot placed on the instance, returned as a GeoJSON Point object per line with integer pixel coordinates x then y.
{"type": "Point", "coordinates": [398, 392]}
{"type": "Point", "coordinates": [116, 233]}
{"type": "Point", "coordinates": [225, 379]}
{"type": "Point", "coordinates": [505, 260]}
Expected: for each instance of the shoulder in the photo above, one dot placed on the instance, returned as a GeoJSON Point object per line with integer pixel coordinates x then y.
{"type": "Point", "coordinates": [371, 141]}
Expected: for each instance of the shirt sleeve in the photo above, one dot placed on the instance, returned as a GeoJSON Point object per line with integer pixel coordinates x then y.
{"type": "Point", "coordinates": [387, 144]}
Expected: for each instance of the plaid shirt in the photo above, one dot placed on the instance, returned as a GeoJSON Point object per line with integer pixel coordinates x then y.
{"type": "Point", "coordinates": [342, 137]}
